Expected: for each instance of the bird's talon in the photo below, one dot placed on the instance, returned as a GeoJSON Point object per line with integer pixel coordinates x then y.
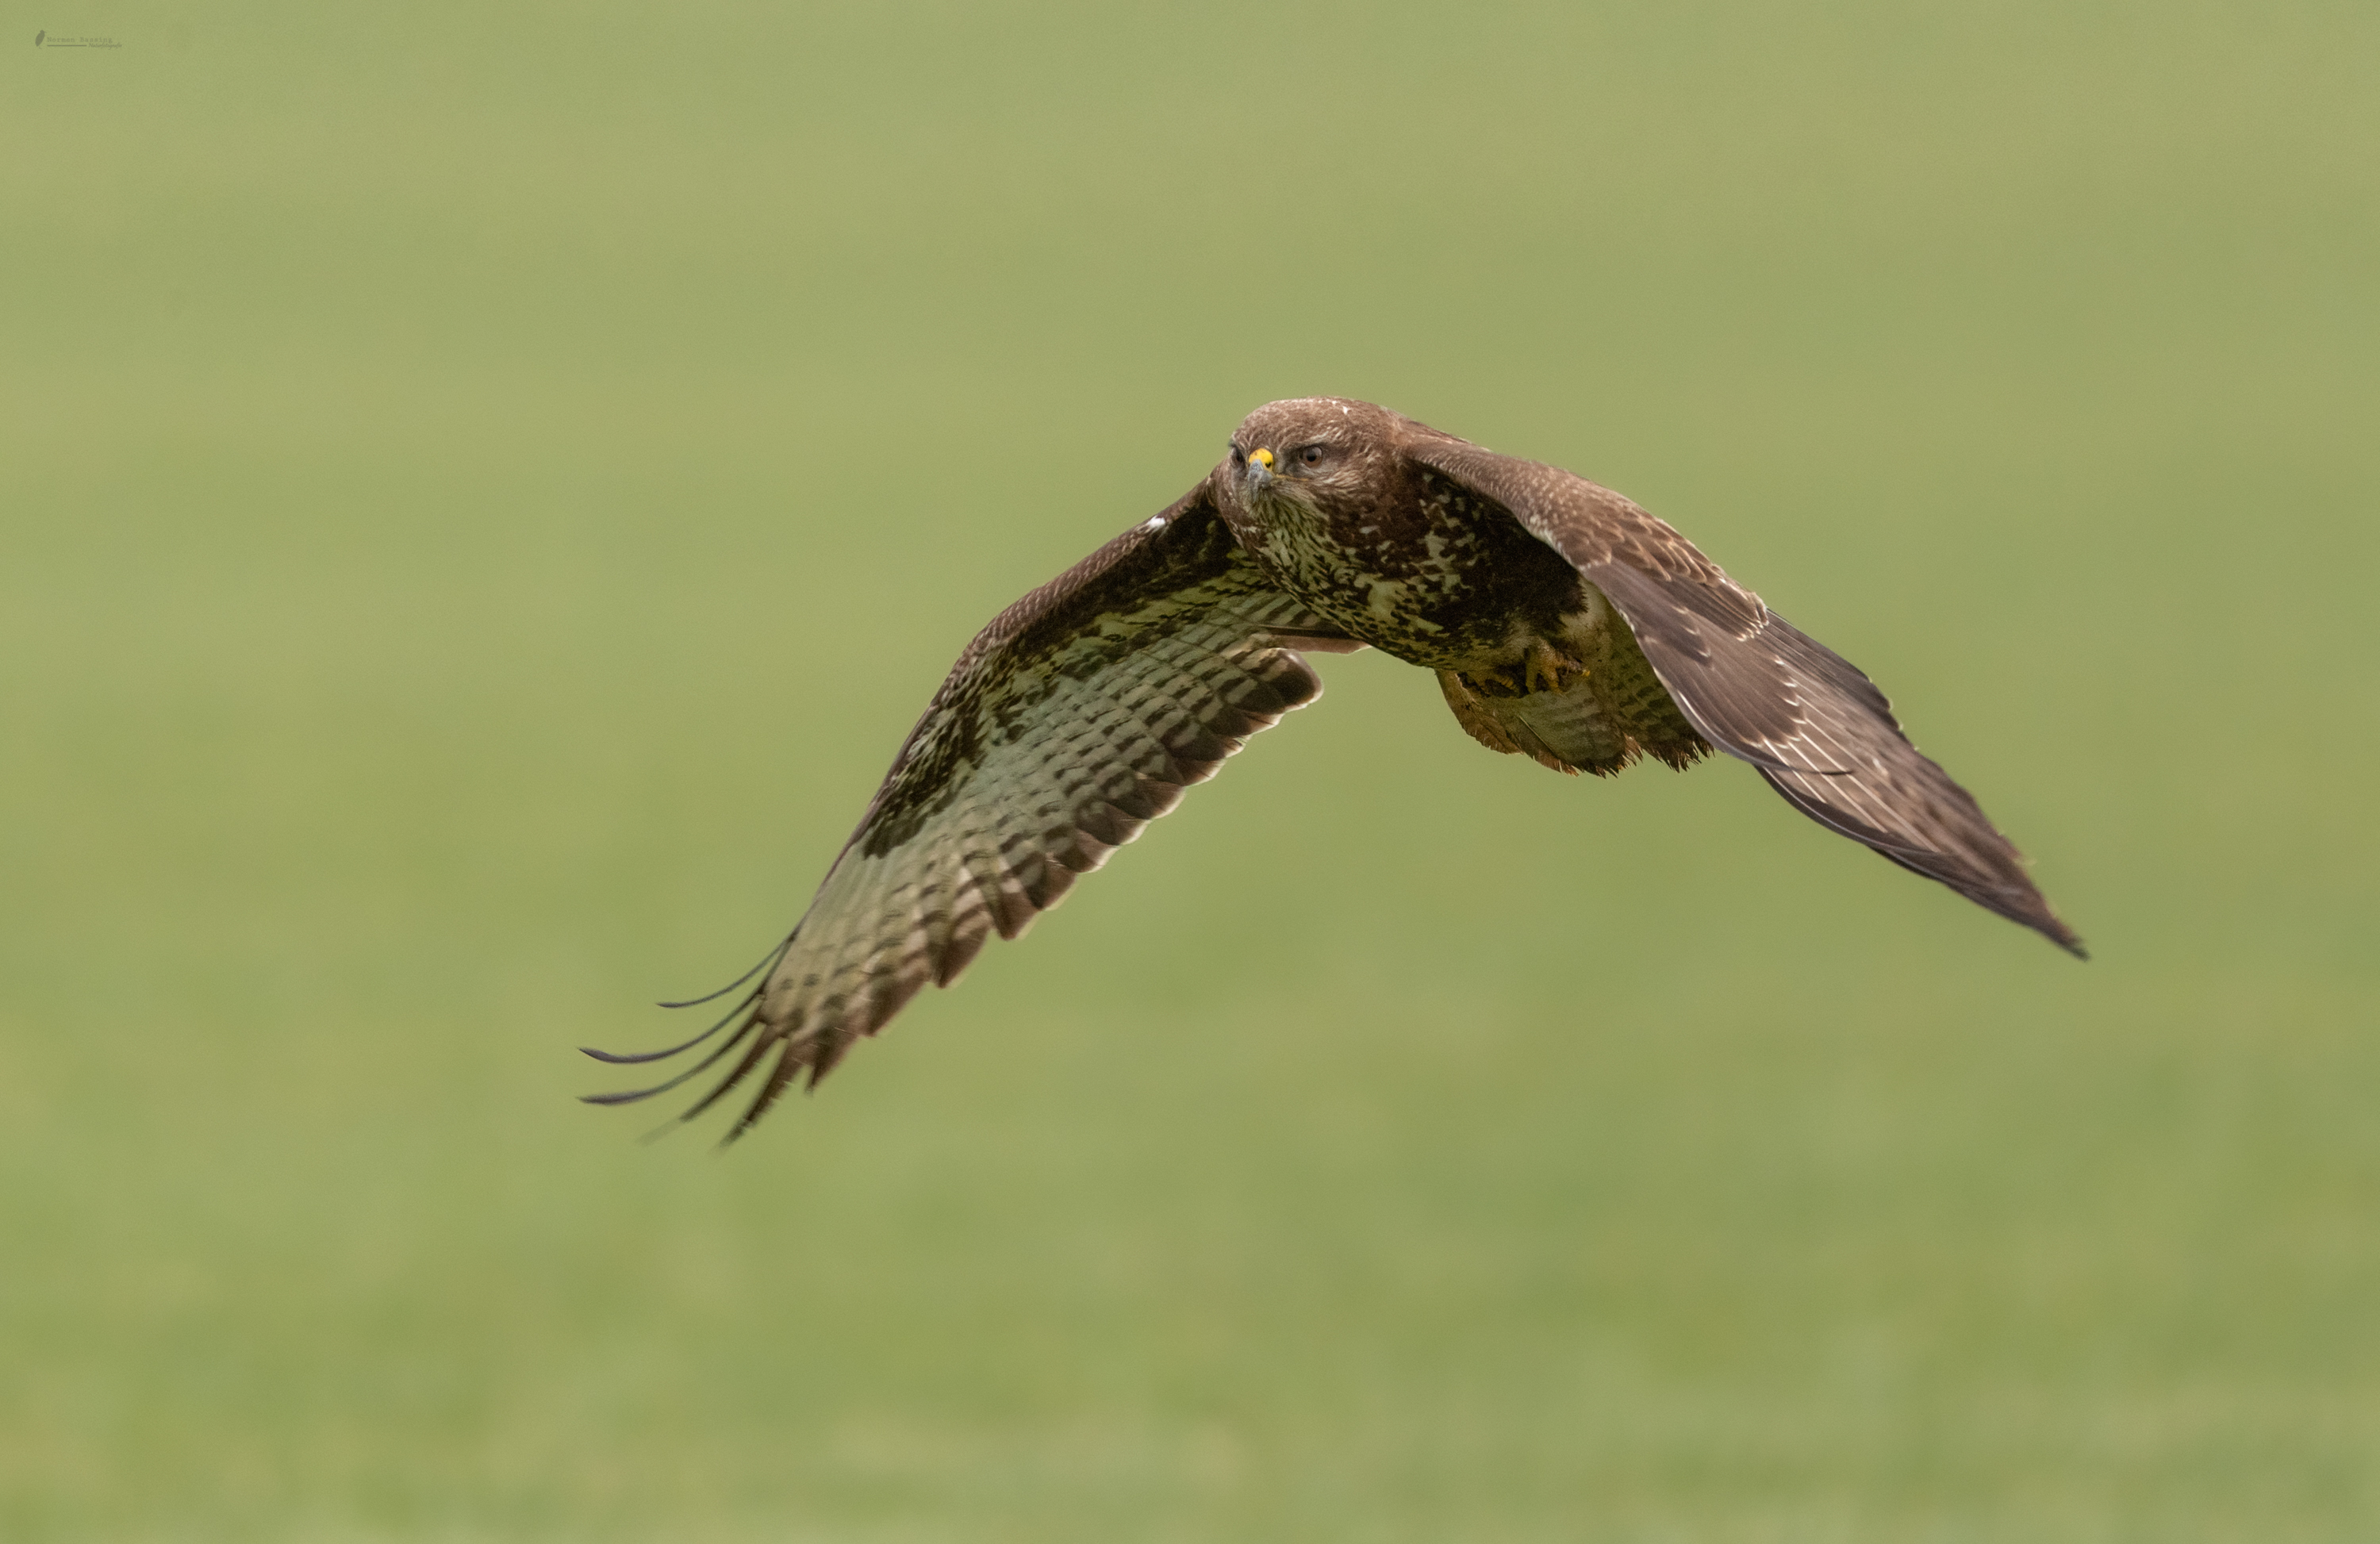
{"type": "Point", "coordinates": [1546, 665]}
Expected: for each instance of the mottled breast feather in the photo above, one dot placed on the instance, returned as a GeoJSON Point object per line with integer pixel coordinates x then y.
{"type": "Point", "coordinates": [1078, 716]}
{"type": "Point", "coordinates": [1759, 688]}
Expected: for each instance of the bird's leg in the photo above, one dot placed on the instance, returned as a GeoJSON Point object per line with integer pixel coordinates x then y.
{"type": "Point", "coordinates": [1543, 663]}
{"type": "Point", "coordinates": [1542, 668]}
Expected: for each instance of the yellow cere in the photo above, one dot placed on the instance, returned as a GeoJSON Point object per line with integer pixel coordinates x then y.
{"type": "Point", "coordinates": [1262, 456]}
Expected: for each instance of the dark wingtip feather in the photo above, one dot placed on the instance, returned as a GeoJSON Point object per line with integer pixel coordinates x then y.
{"type": "Point", "coordinates": [743, 1069]}
{"type": "Point", "coordinates": [772, 957]}
{"type": "Point", "coordinates": [722, 1049]}
{"type": "Point", "coordinates": [2027, 905]}
{"type": "Point", "coordinates": [2063, 936]}
{"type": "Point", "coordinates": [2027, 908]}
{"type": "Point", "coordinates": [619, 1058]}
{"type": "Point", "coordinates": [629, 1097]}
{"type": "Point", "coordinates": [788, 1065]}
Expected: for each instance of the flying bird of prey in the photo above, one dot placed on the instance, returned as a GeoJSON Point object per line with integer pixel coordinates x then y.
{"type": "Point", "coordinates": [1563, 622]}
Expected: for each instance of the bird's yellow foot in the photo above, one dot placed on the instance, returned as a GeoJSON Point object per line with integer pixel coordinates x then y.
{"type": "Point", "coordinates": [1544, 665]}
{"type": "Point", "coordinates": [1493, 683]}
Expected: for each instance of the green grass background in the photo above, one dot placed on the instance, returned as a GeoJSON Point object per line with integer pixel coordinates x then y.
{"type": "Point", "coordinates": [486, 490]}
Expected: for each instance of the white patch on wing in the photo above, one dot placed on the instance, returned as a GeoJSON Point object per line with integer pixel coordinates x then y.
{"type": "Point", "coordinates": [1155, 522]}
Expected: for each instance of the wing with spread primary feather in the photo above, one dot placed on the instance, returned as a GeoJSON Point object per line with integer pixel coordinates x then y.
{"type": "Point", "coordinates": [1078, 716]}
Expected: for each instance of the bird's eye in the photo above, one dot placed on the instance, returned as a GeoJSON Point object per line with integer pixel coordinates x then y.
{"type": "Point", "coordinates": [1238, 455]}
{"type": "Point", "coordinates": [1311, 456]}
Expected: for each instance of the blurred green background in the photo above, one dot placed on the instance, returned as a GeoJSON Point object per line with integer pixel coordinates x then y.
{"type": "Point", "coordinates": [488, 490]}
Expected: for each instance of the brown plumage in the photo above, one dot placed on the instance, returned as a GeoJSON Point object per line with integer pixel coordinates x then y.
{"type": "Point", "coordinates": [1563, 622]}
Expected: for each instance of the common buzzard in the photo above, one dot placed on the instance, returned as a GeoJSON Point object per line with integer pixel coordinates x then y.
{"type": "Point", "coordinates": [1563, 622]}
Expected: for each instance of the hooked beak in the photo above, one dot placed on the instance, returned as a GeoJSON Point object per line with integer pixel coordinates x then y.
{"type": "Point", "coordinates": [1259, 471]}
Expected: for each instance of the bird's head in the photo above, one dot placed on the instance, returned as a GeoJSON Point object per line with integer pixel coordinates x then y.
{"type": "Point", "coordinates": [1307, 449]}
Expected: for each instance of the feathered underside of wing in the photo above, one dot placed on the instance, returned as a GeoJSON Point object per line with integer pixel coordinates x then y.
{"type": "Point", "coordinates": [1079, 715]}
{"type": "Point", "coordinates": [1761, 690]}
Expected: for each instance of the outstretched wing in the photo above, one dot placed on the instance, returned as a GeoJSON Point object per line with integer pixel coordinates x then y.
{"type": "Point", "coordinates": [1758, 687]}
{"type": "Point", "coordinates": [1074, 720]}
